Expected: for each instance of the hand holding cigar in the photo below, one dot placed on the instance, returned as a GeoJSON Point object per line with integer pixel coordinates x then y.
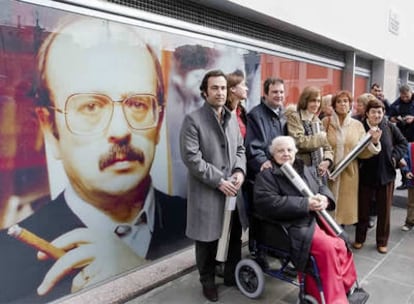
{"type": "Point", "coordinates": [36, 242]}
{"type": "Point", "coordinates": [97, 255]}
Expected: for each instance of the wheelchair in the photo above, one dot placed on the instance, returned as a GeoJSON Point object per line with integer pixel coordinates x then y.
{"type": "Point", "coordinates": [271, 239]}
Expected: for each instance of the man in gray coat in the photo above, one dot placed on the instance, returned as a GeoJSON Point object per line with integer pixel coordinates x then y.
{"type": "Point", "coordinates": [212, 149]}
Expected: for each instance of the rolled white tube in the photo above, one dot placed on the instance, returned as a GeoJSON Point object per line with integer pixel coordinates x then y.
{"type": "Point", "coordinates": [223, 243]}
{"type": "Point", "coordinates": [351, 156]}
{"type": "Point", "coordinates": [299, 183]}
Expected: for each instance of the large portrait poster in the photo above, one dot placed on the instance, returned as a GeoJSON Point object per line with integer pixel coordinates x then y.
{"type": "Point", "coordinates": [92, 183]}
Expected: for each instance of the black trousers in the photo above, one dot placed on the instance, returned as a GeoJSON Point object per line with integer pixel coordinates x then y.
{"type": "Point", "coordinates": [383, 196]}
{"type": "Point", "coordinates": [205, 253]}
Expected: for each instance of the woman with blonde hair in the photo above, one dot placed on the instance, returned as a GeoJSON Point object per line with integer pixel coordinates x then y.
{"type": "Point", "coordinates": [361, 105]}
{"type": "Point", "coordinates": [326, 106]}
{"type": "Point", "coordinates": [344, 133]}
{"type": "Point", "coordinates": [310, 144]}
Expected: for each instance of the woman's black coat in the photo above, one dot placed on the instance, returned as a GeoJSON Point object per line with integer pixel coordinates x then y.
{"type": "Point", "coordinates": [277, 199]}
{"type": "Point", "coordinates": [379, 170]}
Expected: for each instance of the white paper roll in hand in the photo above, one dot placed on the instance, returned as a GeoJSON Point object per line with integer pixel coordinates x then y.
{"type": "Point", "coordinates": [299, 183]}
{"type": "Point", "coordinates": [223, 243]}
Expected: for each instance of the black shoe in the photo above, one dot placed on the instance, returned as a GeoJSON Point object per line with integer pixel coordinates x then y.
{"type": "Point", "coordinates": [210, 293]}
{"type": "Point", "coordinates": [358, 296]}
{"type": "Point", "coordinates": [402, 187]}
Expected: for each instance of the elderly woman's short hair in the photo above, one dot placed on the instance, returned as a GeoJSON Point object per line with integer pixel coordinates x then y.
{"type": "Point", "coordinates": [279, 140]}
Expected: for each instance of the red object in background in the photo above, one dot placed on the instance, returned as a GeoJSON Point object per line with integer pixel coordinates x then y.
{"type": "Point", "coordinates": [19, 131]}
{"type": "Point", "coordinates": [297, 75]}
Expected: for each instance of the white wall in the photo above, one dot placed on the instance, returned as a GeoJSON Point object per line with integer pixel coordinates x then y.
{"type": "Point", "coordinates": [361, 24]}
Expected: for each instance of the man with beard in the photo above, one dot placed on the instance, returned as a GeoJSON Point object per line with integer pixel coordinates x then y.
{"type": "Point", "coordinates": [212, 149]}
{"type": "Point", "coordinates": [100, 104]}
{"type": "Point", "coordinates": [189, 63]}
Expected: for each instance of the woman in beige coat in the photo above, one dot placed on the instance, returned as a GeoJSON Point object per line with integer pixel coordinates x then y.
{"type": "Point", "coordinates": [344, 133]}
{"type": "Point", "coordinates": [313, 148]}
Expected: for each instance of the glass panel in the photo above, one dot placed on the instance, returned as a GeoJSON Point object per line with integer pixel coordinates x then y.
{"type": "Point", "coordinates": [361, 85]}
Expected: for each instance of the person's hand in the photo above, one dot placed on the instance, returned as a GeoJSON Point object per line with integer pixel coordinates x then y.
{"type": "Point", "coordinates": [409, 175]}
{"type": "Point", "coordinates": [394, 119]}
{"type": "Point", "coordinates": [376, 135]}
{"type": "Point", "coordinates": [267, 164]}
{"type": "Point", "coordinates": [323, 167]}
{"type": "Point", "coordinates": [409, 119]}
{"type": "Point", "coordinates": [99, 254]}
{"type": "Point", "coordinates": [318, 202]}
{"type": "Point", "coordinates": [237, 179]}
{"type": "Point", "coordinates": [228, 188]}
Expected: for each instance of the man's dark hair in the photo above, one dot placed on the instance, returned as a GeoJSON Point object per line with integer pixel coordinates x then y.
{"type": "Point", "coordinates": [375, 85]}
{"type": "Point", "coordinates": [204, 82]}
{"type": "Point", "coordinates": [270, 81]}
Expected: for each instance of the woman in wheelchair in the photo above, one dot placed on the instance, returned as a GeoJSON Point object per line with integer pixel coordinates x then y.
{"type": "Point", "coordinates": [277, 199]}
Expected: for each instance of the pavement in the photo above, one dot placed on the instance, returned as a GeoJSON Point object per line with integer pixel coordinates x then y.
{"type": "Point", "coordinates": [388, 278]}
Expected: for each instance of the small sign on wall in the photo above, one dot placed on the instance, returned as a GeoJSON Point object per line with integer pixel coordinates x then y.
{"type": "Point", "coordinates": [393, 22]}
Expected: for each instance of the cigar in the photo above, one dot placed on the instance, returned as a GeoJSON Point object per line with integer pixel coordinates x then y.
{"type": "Point", "coordinates": [36, 242]}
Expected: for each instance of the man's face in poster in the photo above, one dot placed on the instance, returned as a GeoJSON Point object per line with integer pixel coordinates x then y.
{"type": "Point", "coordinates": [106, 147]}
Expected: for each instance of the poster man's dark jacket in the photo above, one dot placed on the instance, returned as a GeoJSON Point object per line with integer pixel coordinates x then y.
{"type": "Point", "coordinates": [22, 272]}
{"type": "Point", "coordinates": [277, 199]}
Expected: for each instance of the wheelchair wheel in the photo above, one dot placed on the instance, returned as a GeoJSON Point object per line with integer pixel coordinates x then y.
{"type": "Point", "coordinates": [308, 299]}
{"type": "Point", "coordinates": [249, 278]}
